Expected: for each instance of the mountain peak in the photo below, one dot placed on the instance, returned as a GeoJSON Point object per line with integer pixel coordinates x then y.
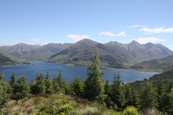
{"type": "Point", "coordinates": [134, 42]}
{"type": "Point", "coordinates": [87, 42]}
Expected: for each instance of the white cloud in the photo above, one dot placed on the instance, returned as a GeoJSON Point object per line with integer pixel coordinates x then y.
{"type": "Point", "coordinates": [36, 40]}
{"type": "Point", "coordinates": [157, 30]}
{"type": "Point", "coordinates": [122, 34]}
{"type": "Point", "coordinates": [136, 26]}
{"type": "Point", "coordinates": [107, 34]}
{"type": "Point", "coordinates": [77, 37]}
{"type": "Point", "coordinates": [149, 39]}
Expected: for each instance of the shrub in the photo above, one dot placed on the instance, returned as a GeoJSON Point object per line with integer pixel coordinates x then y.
{"type": "Point", "coordinates": [130, 111]}
{"type": "Point", "coordinates": [65, 108]}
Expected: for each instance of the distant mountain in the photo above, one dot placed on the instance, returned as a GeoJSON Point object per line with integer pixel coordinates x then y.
{"type": "Point", "coordinates": [82, 52]}
{"type": "Point", "coordinates": [44, 52]}
{"type": "Point", "coordinates": [18, 50]}
{"type": "Point", "coordinates": [34, 52]}
{"type": "Point", "coordinates": [112, 54]}
{"type": "Point", "coordinates": [5, 60]}
{"type": "Point", "coordinates": [156, 64]}
{"type": "Point", "coordinates": [148, 51]}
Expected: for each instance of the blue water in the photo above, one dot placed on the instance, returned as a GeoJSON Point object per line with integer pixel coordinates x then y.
{"type": "Point", "coordinates": [70, 72]}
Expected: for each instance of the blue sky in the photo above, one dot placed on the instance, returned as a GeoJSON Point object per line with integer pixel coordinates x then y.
{"type": "Point", "coordinates": [68, 21]}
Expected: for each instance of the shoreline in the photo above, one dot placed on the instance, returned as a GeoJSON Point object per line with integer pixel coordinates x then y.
{"type": "Point", "coordinates": [72, 65]}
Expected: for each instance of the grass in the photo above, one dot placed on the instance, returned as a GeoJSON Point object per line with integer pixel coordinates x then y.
{"type": "Point", "coordinates": [53, 104]}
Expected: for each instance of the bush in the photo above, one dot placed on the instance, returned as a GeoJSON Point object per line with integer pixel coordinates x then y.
{"type": "Point", "coordinates": [130, 111]}
{"type": "Point", "coordinates": [65, 108]}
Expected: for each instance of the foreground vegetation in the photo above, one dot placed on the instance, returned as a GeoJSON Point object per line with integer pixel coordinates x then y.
{"type": "Point", "coordinates": [93, 96]}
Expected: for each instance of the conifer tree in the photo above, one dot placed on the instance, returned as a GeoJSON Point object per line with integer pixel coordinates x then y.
{"type": "Point", "coordinates": [48, 84]}
{"type": "Point", "coordinates": [78, 87]}
{"type": "Point", "coordinates": [108, 93]}
{"type": "Point", "coordinates": [160, 95]}
{"type": "Point", "coordinates": [56, 88]}
{"type": "Point", "coordinates": [130, 96]}
{"type": "Point", "coordinates": [147, 97]}
{"type": "Point", "coordinates": [12, 80]}
{"type": "Point", "coordinates": [12, 83]}
{"type": "Point", "coordinates": [59, 80]}
{"type": "Point", "coordinates": [21, 88]}
{"type": "Point", "coordinates": [170, 104]}
{"type": "Point", "coordinates": [93, 83]}
{"type": "Point", "coordinates": [117, 94]}
{"type": "Point", "coordinates": [4, 87]}
{"type": "Point", "coordinates": [38, 86]}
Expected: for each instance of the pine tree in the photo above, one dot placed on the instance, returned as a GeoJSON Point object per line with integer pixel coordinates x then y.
{"type": "Point", "coordinates": [21, 88]}
{"type": "Point", "coordinates": [147, 97]}
{"type": "Point", "coordinates": [12, 83]}
{"type": "Point", "coordinates": [59, 80]}
{"type": "Point", "coordinates": [117, 94]}
{"type": "Point", "coordinates": [108, 100]}
{"type": "Point", "coordinates": [48, 84]}
{"type": "Point", "coordinates": [130, 96]}
{"type": "Point", "coordinates": [56, 88]}
{"type": "Point", "coordinates": [160, 95]}
{"type": "Point", "coordinates": [78, 87]}
{"type": "Point", "coordinates": [101, 97]}
{"type": "Point", "coordinates": [4, 87]}
{"type": "Point", "coordinates": [170, 104]}
{"type": "Point", "coordinates": [38, 86]}
{"type": "Point", "coordinates": [12, 80]}
{"type": "Point", "coordinates": [92, 86]}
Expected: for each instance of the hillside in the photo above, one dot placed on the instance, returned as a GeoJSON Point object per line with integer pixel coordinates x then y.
{"type": "Point", "coordinates": [44, 52]}
{"type": "Point", "coordinates": [5, 60]}
{"type": "Point", "coordinates": [165, 77]}
{"type": "Point", "coordinates": [82, 53]}
{"type": "Point", "coordinates": [156, 64]}
{"type": "Point", "coordinates": [56, 104]}
{"type": "Point", "coordinates": [18, 50]}
{"type": "Point", "coordinates": [112, 54]}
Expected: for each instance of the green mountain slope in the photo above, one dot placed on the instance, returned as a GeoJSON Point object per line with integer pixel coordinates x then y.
{"type": "Point", "coordinates": [112, 54]}
{"type": "Point", "coordinates": [44, 52]}
{"type": "Point", "coordinates": [18, 50]}
{"type": "Point", "coordinates": [156, 64]}
{"type": "Point", "coordinates": [82, 53]}
{"type": "Point", "coordinates": [165, 77]}
{"type": "Point", "coordinates": [5, 60]}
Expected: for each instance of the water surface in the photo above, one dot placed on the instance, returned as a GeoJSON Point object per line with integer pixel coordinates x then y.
{"type": "Point", "coordinates": [70, 72]}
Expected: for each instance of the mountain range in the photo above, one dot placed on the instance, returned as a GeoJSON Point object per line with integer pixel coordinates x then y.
{"type": "Point", "coordinates": [34, 52]}
{"type": "Point", "coordinates": [112, 54]}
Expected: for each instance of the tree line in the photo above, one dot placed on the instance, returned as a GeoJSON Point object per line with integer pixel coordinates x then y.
{"type": "Point", "coordinates": [116, 95]}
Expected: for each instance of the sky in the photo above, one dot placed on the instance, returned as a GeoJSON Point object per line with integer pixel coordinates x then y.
{"type": "Point", "coordinates": [68, 21]}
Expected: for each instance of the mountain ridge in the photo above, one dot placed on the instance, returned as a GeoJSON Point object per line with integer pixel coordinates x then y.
{"type": "Point", "coordinates": [121, 54]}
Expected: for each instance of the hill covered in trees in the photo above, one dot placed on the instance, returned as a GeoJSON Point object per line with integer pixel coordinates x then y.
{"type": "Point", "coordinates": [156, 64]}
{"type": "Point", "coordinates": [46, 96]}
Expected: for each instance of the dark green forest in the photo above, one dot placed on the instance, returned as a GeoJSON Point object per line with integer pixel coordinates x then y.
{"type": "Point", "coordinates": [154, 94]}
